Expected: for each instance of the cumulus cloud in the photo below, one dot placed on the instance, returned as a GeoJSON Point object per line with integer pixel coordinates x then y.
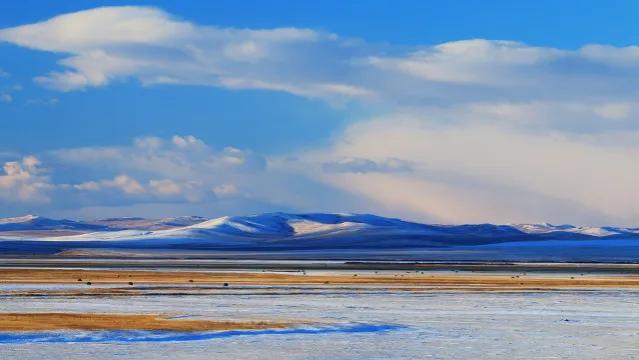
{"type": "Point", "coordinates": [186, 141]}
{"type": "Point", "coordinates": [179, 158]}
{"type": "Point", "coordinates": [24, 181]}
{"type": "Point", "coordinates": [88, 186]}
{"type": "Point", "coordinates": [225, 190]}
{"type": "Point", "coordinates": [165, 187]}
{"type": "Point", "coordinates": [125, 183]}
{"type": "Point", "coordinates": [155, 176]}
{"type": "Point", "coordinates": [136, 191]}
{"type": "Point", "coordinates": [181, 168]}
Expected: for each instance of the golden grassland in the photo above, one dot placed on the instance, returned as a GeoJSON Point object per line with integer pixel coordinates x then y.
{"type": "Point", "coordinates": [207, 283]}
{"type": "Point", "coordinates": [87, 321]}
{"type": "Point", "coordinates": [414, 279]}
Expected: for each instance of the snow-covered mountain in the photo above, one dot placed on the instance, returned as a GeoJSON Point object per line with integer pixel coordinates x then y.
{"type": "Point", "coordinates": [284, 232]}
{"type": "Point", "coordinates": [308, 230]}
{"type": "Point", "coordinates": [33, 223]}
{"type": "Point", "coordinates": [545, 228]}
{"type": "Point", "coordinates": [284, 225]}
{"type": "Point", "coordinates": [148, 224]}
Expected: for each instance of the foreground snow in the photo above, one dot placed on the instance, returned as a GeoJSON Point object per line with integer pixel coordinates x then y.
{"type": "Point", "coordinates": [440, 325]}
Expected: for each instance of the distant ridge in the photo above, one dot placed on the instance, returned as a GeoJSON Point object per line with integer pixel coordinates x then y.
{"type": "Point", "coordinates": [286, 225]}
{"type": "Point", "coordinates": [32, 222]}
{"type": "Point", "coordinates": [305, 232]}
{"type": "Point", "coordinates": [140, 223]}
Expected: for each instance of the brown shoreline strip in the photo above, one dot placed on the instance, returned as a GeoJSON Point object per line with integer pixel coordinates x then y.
{"type": "Point", "coordinates": [88, 321]}
{"type": "Point", "coordinates": [128, 278]}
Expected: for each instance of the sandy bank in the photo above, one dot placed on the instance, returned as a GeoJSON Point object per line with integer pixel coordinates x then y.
{"type": "Point", "coordinates": [127, 277]}
{"type": "Point", "coordinates": [65, 321]}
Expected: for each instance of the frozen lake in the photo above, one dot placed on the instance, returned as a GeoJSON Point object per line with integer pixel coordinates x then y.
{"type": "Point", "coordinates": [402, 325]}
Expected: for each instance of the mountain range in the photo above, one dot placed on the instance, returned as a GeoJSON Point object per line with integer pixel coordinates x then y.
{"type": "Point", "coordinates": [283, 232]}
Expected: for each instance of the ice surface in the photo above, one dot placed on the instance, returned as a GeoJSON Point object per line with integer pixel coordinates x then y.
{"type": "Point", "coordinates": [124, 336]}
{"type": "Point", "coordinates": [438, 325]}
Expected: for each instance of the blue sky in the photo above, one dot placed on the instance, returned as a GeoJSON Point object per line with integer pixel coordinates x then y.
{"type": "Point", "coordinates": [443, 111]}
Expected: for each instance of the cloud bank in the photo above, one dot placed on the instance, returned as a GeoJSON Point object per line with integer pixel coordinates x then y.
{"type": "Point", "coordinates": [471, 130]}
{"type": "Point", "coordinates": [108, 44]}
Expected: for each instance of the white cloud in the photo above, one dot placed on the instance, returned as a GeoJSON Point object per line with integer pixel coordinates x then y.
{"type": "Point", "coordinates": [152, 190]}
{"type": "Point", "coordinates": [6, 98]}
{"type": "Point", "coordinates": [476, 172]}
{"type": "Point", "coordinates": [613, 111]}
{"type": "Point", "coordinates": [148, 142]}
{"type": "Point", "coordinates": [122, 182]}
{"type": "Point", "coordinates": [97, 27]}
{"type": "Point", "coordinates": [88, 186]}
{"type": "Point", "coordinates": [110, 43]}
{"type": "Point", "coordinates": [475, 130]}
{"type": "Point", "coordinates": [31, 164]}
{"type": "Point", "coordinates": [125, 183]}
{"type": "Point", "coordinates": [182, 158]}
{"type": "Point", "coordinates": [472, 61]}
{"type": "Point", "coordinates": [225, 190]}
{"type": "Point", "coordinates": [165, 187]}
{"type": "Point", "coordinates": [181, 168]}
{"type": "Point", "coordinates": [622, 57]}
{"type": "Point", "coordinates": [148, 44]}
{"type": "Point", "coordinates": [186, 141]}
{"type": "Point", "coordinates": [23, 182]}
{"type": "Point", "coordinates": [183, 175]}
{"type": "Point", "coordinates": [465, 171]}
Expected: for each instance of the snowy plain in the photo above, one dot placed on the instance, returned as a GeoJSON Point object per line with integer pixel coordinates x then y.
{"type": "Point", "coordinates": [440, 325]}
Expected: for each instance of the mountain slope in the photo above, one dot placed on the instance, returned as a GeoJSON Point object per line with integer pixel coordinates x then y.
{"type": "Point", "coordinates": [36, 223]}
{"type": "Point", "coordinates": [148, 224]}
{"type": "Point", "coordinates": [294, 232]}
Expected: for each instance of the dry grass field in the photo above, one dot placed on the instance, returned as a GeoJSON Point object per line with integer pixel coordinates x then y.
{"type": "Point", "coordinates": [70, 321]}
{"type": "Point", "coordinates": [464, 280]}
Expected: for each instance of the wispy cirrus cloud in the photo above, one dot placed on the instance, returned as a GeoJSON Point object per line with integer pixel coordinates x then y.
{"type": "Point", "coordinates": [113, 43]}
